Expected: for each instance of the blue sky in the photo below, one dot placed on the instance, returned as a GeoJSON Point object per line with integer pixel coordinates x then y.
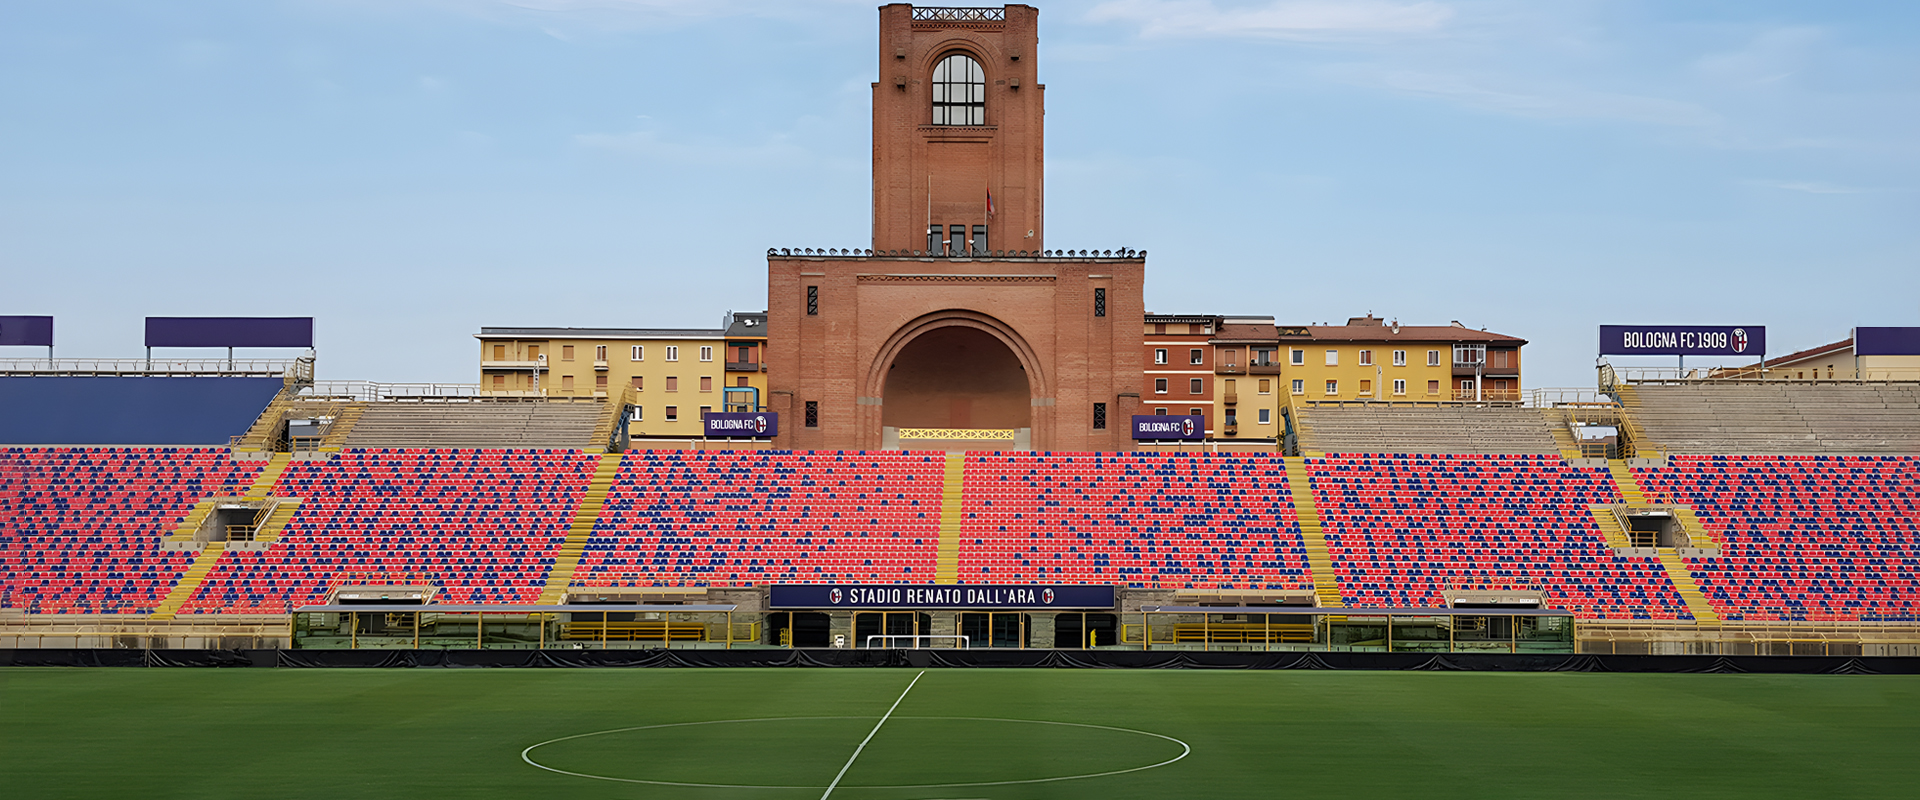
{"type": "Point", "coordinates": [407, 171]}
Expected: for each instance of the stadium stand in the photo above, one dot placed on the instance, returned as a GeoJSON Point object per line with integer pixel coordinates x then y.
{"type": "Point", "coordinates": [1778, 418]}
{"type": "Point", "coordinates": [489, 424]}
{"type": "Point", "coordinates": [1379, 428]}
{"type": "Point", "coordinates": [481, 525]}
{"type": "Point", "coordinates": [81, 528]}
{"type": "Point", "coordinates": [1804, 538]}
{"type": "Point", "coordinates": [1403, 529]}
{"type": "Point", "coordinates": [734, 518]}
{"type": "Point", "coordinates": [1145, 520]}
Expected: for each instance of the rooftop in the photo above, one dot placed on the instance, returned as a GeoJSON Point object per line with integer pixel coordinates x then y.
{"type": "Point", "coordinates": [600, 333]}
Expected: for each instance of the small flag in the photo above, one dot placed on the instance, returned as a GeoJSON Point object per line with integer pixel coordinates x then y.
{"type": "Point", "coordinates": [989, 204]}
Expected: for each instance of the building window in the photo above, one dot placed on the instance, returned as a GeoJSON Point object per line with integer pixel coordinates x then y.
{"type": "Point", "coordinates": [1333, 358]}
{"type": "Point", "coordinates": [1099, 416]}
{"type": "Point", "coordinates": [1194, 412]}
{"type": "Point", "coordinates": [746, 354]}
{"type": "Point", "coordinates": [706, 352]}
{"type": "Point", "coordinates": [1299, 386]}
{"type": "Point", "coordinates": [979, 242]}
{"type": "Point", "coordinates": [1469, 354]}
{"type": "Point", "coordinates": [1196, 356]}
{"type": "Point", "coordinates": [1500, 357]}
{"type": "Point", "coordinates": [1159, 385]}
{"type": "Point", "coordinates": [704, 411]}
{"type": "Point", "coordinates": [1366, 388]}
{"type": "Point", "coordinates": [740, 381]}
{"type": "Point", "coordinates": [934, 245]}
{"type": "Point", "coordinates": [499, 381]}
{"type": "Point", "coordinates": [813, 414]}
{"type": "Point", "coordinates": [959, 92]}
{"type": "Point", "coordinates": [813, 301]}
{"type": "Point", "coordinates": [1299, 358]}
{"type": "Point", "coordinates": [1399, 358]}
{"type": "Point", "coordinates": [639, 353]}
{"type": "Point", "coordinates": [1366, 358]}
{"type": "Point", "coordinates": [673, 352]}
{"type": "Point", "coordinates": [1433, 387]}
{"type": "Point", "coordinates": [533, 352]}
{"type": "Point", "coordinates": [599, 352]}
{"type": "Point", "coordinates": [566, 383]}
{"type": "Point", "coordinates": [1333, 387]}
{"type": "Point", "coordinates": [638, 383]}
{"type": "Point", "coordinates": [1159, 355]}
{"type": "Point", "coordinates": [1266, 416]}
{"type": "Point", "coordinates": [499, 352]}
{"type": "Point", "coordinates": [673, 413]}
{"type": "Point", "coordinates": [1099, 302]}
{"type": "Point", "coordinates": [600, 382]}
{"type": "Point", "coordinates": [1399, 386]}
{"type": "Point", "coordinates": [1160, 412]}
{"type": "Point", "coordinates": [706, 383]}
{"type": "Point", "coordinates": [673, 384]}
{"type": "Point", "coordinates": [1266, 386]}
{"type": "Point", "coordinates": [1433, 358]}
{"type": "Point", "coordinates": [1262, 358]}
{"type": "Point", "coordinates": [638, 415]}
{"type": "Point", "coordinates": [566, 352]}
{"type": "Point", "coordinates": [1194, 387]}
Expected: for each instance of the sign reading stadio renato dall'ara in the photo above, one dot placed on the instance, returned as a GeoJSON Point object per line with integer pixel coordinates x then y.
{"type": "Point", "coordinates": [1683, 340]}
{"type": "Point", "coordinates": [827, 596]}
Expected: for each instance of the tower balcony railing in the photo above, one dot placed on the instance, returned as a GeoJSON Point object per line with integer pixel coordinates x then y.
{"type": "Point", "coordinates": [855, 252]}
{"type": "Point", "coordinates": [958, 14]}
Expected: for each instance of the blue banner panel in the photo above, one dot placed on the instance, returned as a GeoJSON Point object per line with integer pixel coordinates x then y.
{"type": "Point", "coordinates": [36, 331]}
{"type": "Point", "coordinates": [865, 595]}
{"type": "Point", "coordinates": [1149, 427]}
{"type": "Point", "coordinates": [71, 410]}
{"type": "Point", "coordinates": [742, 425]}
{"type": "Point", "coordinates": [1876, 341]}
{"type": "Point", "coordinates": [1683, 340]}
{"type": "Point", "coordinates": [229, 331]}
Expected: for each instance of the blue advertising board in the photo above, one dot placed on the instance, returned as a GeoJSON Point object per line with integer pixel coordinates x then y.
{"type": "Point", "coordinates": [229, 331]}
{"type": "Point", "coordinates": [1876, 341]}
{"type": "Point", "coordinates": [867, 595]}
{"type": "Point", "coordinates": [742, 425]}
{"type": "Point", "coordinates": [36, 331]}
{"type": "Point", "coordinates": [1683, 340]}
{"type": "Point", "coordinates": [1150, 427]}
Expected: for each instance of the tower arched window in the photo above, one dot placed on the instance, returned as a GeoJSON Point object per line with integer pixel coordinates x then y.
{"type": "Point", "coordinates": [959, 91]}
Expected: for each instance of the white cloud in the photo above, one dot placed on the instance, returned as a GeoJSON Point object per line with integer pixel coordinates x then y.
{"type": "Point", "coordinates": [1281, 19]}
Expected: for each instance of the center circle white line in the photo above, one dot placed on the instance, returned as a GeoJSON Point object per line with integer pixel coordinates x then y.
{"type": "Point", "coordinates": [526, 755]}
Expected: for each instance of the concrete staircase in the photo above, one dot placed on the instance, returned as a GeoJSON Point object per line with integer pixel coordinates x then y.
{"type": "Point", "coordinates": [190, 581]}
{"type": "Point", "coordinates": [567, 559]}
{"type": "Point", "coordinates": [1326, 587]}
{"type": "Point", "coordinates": [1563, 437]}
{"type": "Point", "coordinates": [342, 426]}
{"type": "Point", "coordinates": [947, 567]}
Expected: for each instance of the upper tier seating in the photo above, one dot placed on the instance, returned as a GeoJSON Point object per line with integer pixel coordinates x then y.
{"type": "Point", "coordinates": [1180, 521]}
{"type": "Point", "coordinates": [517, 425]}
{"type": "Point", "coordinates": [1424, 429]}
{"type": "Point", "coordinates": [1778, 418]}
{"type": "Point", "coordinates": [743, 518]}
{"type": "Point", "coordinates": [1403, 529]}
{"type": "Point", "coordinates": [483, 525]}
{"type": "Point", "coordinates": [1802, 537]}
{"type": "Point", "coordinates": [80, 528]}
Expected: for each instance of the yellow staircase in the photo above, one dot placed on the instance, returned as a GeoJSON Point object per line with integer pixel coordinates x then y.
{"type": "Point", "coordinates": [1684, 583]}
{"type": "Point", "coordinates": [560, 578]}
{"type": "Point", "coordinates": [263, 485]}
{"type": "Point", "coordinates": [1562, 436]}
{"type": "Point", "coordinates": [276, 522]}
{"type": "Point", "coordinates": [947, 568]}
{"type": "Point", "coordinates": [1609, 524]}
{"type": "Point", "coordinates": [344, 418]}
{"type": "Point", "coordinates": [1326, 587]}
{"type": "Point", "coordinates": [259, 435]}
{"type": "Point", "coordinates": [189, 581]}
{"type": "Point", "coordinates": [1624, 480]}
{"type": "Point", "coordinates": [190, 525]}
{"type": "Point", "coordinates": [1697, 532]}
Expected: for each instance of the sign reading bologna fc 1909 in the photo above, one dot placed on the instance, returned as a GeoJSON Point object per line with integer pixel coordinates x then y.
{"type": "Point", "coordinates": [742, 425]}
{"type": "Point", "coordinates": [1148, 427]}
{"type": "Point", "coordinates": [1683, 340]}
{"type": "Point", "coordinates": [858, 595]}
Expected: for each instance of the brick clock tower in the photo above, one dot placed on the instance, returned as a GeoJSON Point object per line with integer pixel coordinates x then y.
{"type": "Point", "coordinates": [957, 328]}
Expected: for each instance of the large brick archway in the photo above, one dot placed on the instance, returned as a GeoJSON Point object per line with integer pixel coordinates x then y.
{"type": "Point", "coordinates": [956, 368]}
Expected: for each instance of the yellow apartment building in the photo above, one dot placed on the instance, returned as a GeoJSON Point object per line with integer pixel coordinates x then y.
{"type": "Point", "coordinates": [1247, 379]}
{"type": "Point", "coordinates": [675, 374]}
{"type": "Point", "coordinates": [1369, 359]}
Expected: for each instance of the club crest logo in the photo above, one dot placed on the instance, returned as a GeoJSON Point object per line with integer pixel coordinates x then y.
{"type": "Point", "coordinates": [1186, 426]}
{"type": "Point", "coordinates": [834, 596]}
{"type": "Point", "coordinates": [760, 426]}
{"type": "Point", "coordinates": [1046, 596]}
{"type": "Point", "coordinates": [1739, 340]}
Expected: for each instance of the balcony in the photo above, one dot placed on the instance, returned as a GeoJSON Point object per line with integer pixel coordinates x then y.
{"type": "Point", "coordinates": [743, 366]}
{"type": "Point", "coordinates": [600, 365]}
{"type": "Point", "coordinates": [1230, 398]}
{"type": "Point", "coordinates": [1229, 369]}
{"type": "Point", "coordinates": [1264, 368]}
{"type": "Point", "coordinates": [514, 365]}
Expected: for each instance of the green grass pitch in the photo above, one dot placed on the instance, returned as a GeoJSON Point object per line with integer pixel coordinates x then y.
{"type": "Point", "coordinates": [460, 733]}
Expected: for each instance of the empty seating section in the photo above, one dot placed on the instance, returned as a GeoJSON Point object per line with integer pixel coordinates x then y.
{"type": "Point", "coordinates": [1779, 418]}
{"type": "Point", "coordinates": [80, 528]}
{"type": "Point", "coordinates": [1802, 537]}
{"type": "Point", "coordinates": [1425, 429]}
{"type": "Point", "coordinates": [745, 518]}
{"type": "Point", "coordinates": [482, 525]}
{"type": "Point", "coordinates": [1185, 521]}
{"type": "Point", "coordinates": [1402, 530]}
{"type": "Point", "coordinates": [493, 424]}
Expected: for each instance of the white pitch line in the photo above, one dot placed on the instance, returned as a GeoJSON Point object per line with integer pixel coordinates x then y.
{"type": "Point", "coordinates": [863, 742]}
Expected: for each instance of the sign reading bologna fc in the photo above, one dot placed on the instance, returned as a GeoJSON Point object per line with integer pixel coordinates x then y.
{"type": "Point", "coordinates": [1683, 340]}
{"type": "Point", "coordinates": [1148, 427]}
{"type": "Point", "coordinates": [1024, 595]}
{"type": "Point", "coordinates": [742, 425]}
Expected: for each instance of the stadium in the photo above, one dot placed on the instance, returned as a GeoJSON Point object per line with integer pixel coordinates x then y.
{"type": "Point", "coordinates": [991, 503]}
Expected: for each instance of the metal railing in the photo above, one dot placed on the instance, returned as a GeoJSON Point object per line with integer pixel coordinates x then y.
{"type": "Point", "coordinates": [267, 367]}
{"type": "Point", "coordinates": [368, 391]}
{"type": "Point", "coordinates": [952, 14]}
